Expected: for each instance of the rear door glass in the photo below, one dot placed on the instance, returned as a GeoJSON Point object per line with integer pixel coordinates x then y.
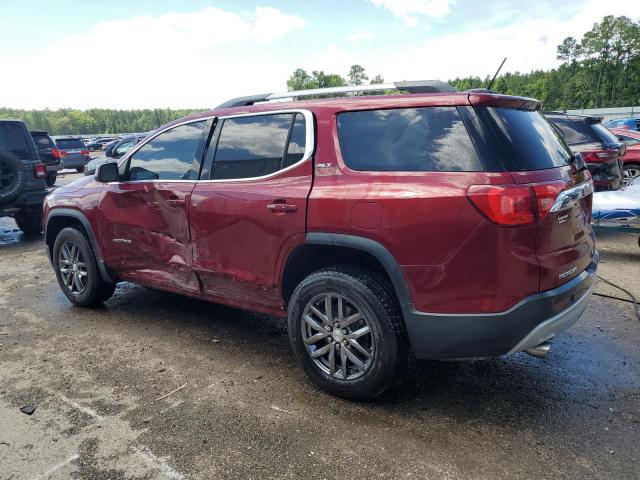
{"type": "Point", "coordinates": [43, 141]}
{"type": "Point", "coordinates": [526, 140]}
{"type": "Point", "coordinates": [429, 139]}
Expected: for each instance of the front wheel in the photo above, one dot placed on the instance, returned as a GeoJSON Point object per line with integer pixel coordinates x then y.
{"type": "Point", "coordinates": [631, 173]}
{"type": "Point", "coordinates": [346, 330]}
{"type": "Point", "coordinates": [77, 269]}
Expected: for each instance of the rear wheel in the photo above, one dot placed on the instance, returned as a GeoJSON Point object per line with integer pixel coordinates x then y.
{"type": "Point", "coordinates": [29, 220]}
{"type": "Point", "coordinates": [79, 169]}
{"type": "Point", "coordinates": [51, 180]}
{"type": "Point", "coordinates": [77, 270]}
{"type": "Point", "coordinates": [346, 330]}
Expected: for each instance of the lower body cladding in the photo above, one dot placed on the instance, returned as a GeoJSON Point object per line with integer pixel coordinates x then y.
{"type": "Point", "coordinates": [527, 326]}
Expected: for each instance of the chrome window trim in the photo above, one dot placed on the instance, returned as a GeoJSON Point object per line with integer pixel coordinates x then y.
{"type": "Point", "coordinates": [308, 149]}
{"type": "Point", "coordinates": [569, 197]}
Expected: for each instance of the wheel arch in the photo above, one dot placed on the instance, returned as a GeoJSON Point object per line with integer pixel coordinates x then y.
{"type": "Point", "coordinates": [325, 249]}
{"type": "Point", "coordinates": [59, 218]}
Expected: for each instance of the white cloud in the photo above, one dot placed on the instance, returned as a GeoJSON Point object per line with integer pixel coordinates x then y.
{"type": "Point", "coordinates": [176, 59]}
{"type": "Point", "coordinates": [411, 10]}
{"type": "Point", "coordinates": [361, 36]}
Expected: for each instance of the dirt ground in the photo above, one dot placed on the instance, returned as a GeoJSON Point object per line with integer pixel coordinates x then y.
{"type": "Point", "coordinates": [247, 411]}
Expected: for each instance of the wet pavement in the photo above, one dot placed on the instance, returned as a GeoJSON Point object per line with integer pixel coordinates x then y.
{"type": "Point", "coordinates": [246, 410]}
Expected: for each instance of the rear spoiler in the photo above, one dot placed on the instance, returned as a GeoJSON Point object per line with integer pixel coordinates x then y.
{"type": "Point", "coordinates": [490, 99]}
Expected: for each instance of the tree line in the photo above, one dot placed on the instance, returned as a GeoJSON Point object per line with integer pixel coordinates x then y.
{"type": "Point", "coordinates": [601, 69]}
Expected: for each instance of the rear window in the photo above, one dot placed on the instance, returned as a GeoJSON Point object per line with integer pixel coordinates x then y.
{"type": "Point", "coordinates": [430, 139]}
{"type": "Point", "coordinates": [605, 135]}
{"type": "Point", "coordinates": [43, 141]}
{"type": "Point", "coordinates": [527, 140]}
{"type": "Point", "coordinates": [576, 131]}
{"type": "Point", "coordinates": [70, 144]}
{"type": "Point", "coordinates": [14, 140]}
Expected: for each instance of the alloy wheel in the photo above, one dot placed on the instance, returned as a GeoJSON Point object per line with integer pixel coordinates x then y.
{"type": "Point", "coordinates": [73, 268]}
{"type": "Point", "coordinates": [630, 175]}
{"type": "Point", "coordinates": [338, 336]}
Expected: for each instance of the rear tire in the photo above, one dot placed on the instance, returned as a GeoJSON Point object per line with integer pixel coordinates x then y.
{"type": "Point", "coordinates": [355, 370]}
{"type": "Point", "coordinates": [631, 173]}
{"type": "Point", "coordinates": [77, 269]}
{"type": "Point", "coordinates": [79, 169]}
{"type": "Point", "coordinates": [29, 220]}
{"type": "Point", "coordinates": [51, 180]}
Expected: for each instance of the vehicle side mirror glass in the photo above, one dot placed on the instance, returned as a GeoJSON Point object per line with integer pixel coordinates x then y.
{"type": "Point", "coordinates": [107, 172]}
{"type": "Point", "coordinates": [109, 153]}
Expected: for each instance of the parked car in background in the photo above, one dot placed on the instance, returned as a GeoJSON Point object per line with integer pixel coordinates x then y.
{"type": "Point", "coordinates": [99, 143]}
{"type": "Point", "coordinates": [448, 225]}
{"type": "Point", "coordinates": [623, 124]}
{"type": "Point", "coordinates": [49, 154]}
{"type": "Point", "coordinates": [116, 151]}
{"type": "Point", "coordinates": [76, 154]}
{"type": "Point", "coordinates": [600, 149]}
{"type": "Point", "coordinates": [632, 158]}
{"type": "Point", "coordinates": [22, 177]}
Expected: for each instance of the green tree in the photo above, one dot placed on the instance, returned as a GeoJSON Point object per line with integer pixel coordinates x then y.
{"type": "Point", "coordinates": [357, 75]}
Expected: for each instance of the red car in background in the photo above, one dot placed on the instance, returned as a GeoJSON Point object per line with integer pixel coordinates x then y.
{"type": "Point", "coordinates": [632, 158]}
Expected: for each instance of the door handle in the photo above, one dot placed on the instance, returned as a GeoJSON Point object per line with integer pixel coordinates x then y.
{"type": "Point", "coordinates": [281, 207]}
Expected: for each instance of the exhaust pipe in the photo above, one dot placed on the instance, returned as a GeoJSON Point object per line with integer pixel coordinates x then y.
{"type": "Point", "coordinates": [540, 351]}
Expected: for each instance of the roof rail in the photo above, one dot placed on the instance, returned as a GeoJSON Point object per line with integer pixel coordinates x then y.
{"type": "Point", "coordinates": [420, 86]}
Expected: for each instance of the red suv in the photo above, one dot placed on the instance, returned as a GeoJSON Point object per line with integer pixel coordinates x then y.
{"type": "Point", "coordinates": [443, 225]}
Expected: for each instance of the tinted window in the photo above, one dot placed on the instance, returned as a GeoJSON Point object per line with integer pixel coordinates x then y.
{"type": "Point", "coordinates": [43, 141]}
{"type": "Point", "coordinates": [297, 142]}
{"type": "Point", "coordinates": [169, 156]}
{"type": "Point", "coordinates": [629, 140]}
{"type": "Point", "coordinates": [252, 146]}
{"type": "Point", "coordinates": [526, 139]}
{"type": "Point", "coordinates": [575, 131]}
{"type": "Point", "coordinates": [604, 134]}
{"type": "Point", "coordinates": [409, 139]}
{"type": "Point", "coordinates": [14, 140]}
{"type": "Point", "coordinates": [70, 144]}
{"type": "Point", "coordinates": [124, 147]}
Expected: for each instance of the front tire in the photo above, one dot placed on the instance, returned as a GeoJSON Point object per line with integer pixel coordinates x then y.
{"type": "Point", "coordinates": [77, 270]}
{"type": "Point", "coordinates": [346, 330]}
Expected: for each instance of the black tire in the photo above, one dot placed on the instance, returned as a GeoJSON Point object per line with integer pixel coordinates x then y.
{"type": "Point", "coordinates": [51, 180]}
{"type": "Point", "coordinates": [96, 290]}
{"type": "Point", "coordinates": [29, 220]}
{"type": "Point", "coordinates": [372, 295]}
{"type": "Point", "coordinates": [79, 169]}
{"type": "Point", "coordinates": [12, 176]}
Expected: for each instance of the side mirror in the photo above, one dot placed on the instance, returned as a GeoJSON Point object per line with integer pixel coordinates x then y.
{"type": "Point", "coordinates": [620, 138]}
{"type": "Point", "coordinates": [109, 153]}
{"type": "Point", "coordinates": [107, 172]}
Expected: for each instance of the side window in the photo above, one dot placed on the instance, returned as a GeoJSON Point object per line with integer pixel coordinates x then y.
{"type": "Point", "coordinates": [258, 145]}
{"type": "Point", "coordinates": [124, 147]}
{"type": "Point", "coordinates": [408, 139]}
{"type": "Point", "coordinates": [169, 156]}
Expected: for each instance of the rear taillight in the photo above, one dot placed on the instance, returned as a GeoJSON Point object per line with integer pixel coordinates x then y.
{"type": "Point", "coordinates": [599, 156]}
{"type": "Point", "coordinates": [84, 152]}
{"type": "Point", "coordinates": [39, 171]}
{"type": "Point", "coordinates": [546, 194]}
{"type": "Point", "coordinates": [504, 204]}
{"type": "Point", "coordinates": [58, 153]}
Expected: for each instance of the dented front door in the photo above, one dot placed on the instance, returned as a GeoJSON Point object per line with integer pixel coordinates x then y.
{"type": "Point", "coordinates": [146, 233]}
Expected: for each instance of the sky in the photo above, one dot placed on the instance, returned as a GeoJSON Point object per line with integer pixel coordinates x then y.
{"type": "Point", "coordinates": [198, 53]}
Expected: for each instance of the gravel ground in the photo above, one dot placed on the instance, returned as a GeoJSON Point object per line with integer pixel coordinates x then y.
{"type": "Point", "coordinates": [247, 410]}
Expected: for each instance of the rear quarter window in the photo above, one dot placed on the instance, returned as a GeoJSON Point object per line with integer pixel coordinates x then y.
{"type": "Point", "coordinates": [429, 139]}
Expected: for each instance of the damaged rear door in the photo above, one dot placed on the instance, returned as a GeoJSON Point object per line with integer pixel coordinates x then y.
{"type": "Point", "coordinates": [145, 235]}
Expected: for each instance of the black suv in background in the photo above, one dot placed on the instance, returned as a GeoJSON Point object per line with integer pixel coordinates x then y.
{"type": "Point", "coordinates": [49, 154]}
{"type": "Point", "coordinates": [600, 149]}
{"type": "Point", "coordinates": [22, 177]}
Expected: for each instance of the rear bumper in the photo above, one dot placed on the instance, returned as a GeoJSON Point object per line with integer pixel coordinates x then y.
{"type": "Point", "coordinates": [24, 200]}
{"type": "Point", "coordinates": [530, 322]}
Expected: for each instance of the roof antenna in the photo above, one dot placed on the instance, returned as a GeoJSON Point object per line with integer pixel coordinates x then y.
{"type": "Point", "coordinates": [497, 72]}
